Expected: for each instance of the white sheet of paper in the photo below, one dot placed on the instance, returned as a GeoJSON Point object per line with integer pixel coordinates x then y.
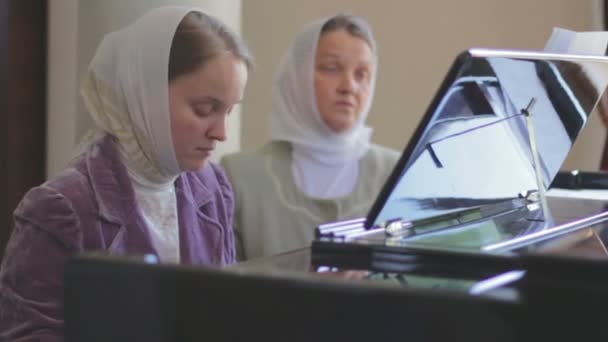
{"type": "Point", "coordinates": [565, 41]}
{"type": "Point", "coordinates": [583, 193]}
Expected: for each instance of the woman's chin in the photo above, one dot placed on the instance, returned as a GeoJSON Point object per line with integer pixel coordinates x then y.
{"type": "Point", "coordinates": [340, 127]}
{"type": "Point", "coordinates": [193, 165]}
{"type": "Point", "coordinates": [341, 123]}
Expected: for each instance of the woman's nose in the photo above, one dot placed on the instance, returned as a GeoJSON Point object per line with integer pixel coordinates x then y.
{"type": "Point", "coordinates": [347, 84]}
{"type": "Point", "coordinates": [218, 129]}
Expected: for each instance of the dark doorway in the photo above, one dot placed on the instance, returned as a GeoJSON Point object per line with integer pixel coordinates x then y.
{"type": "Point", "coordinates": [23, 34]}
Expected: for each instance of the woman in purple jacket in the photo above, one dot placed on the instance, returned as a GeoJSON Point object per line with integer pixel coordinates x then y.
{"type": "Point", "coordinates": [159, 92]}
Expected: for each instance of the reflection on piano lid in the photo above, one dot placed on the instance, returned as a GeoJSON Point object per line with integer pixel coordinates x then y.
{"type": "Point", "coordinates": [473, 140]}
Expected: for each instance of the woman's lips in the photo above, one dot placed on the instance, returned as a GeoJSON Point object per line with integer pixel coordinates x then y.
{"type": "Point", "coordinates": [205, 151]}
{"type": "Point", "coordinates": [344, 104]}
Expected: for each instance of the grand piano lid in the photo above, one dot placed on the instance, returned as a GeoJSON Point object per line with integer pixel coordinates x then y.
{"type": "Point", "coordinates": [472, 147]}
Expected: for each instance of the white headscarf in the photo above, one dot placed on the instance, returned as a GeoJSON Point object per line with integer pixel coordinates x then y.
{"type": "Point", "coordinates": [295, 117]}
{"type": "Point", "coordinates": [126, 92]}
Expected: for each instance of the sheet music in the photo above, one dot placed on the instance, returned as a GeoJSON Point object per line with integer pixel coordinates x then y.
{"type": "Point", "coordinates": [593, 43]}
{"type": "Point", "coordinates": [583, 193]}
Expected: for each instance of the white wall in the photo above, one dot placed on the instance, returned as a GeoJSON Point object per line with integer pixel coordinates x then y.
{"type": "Point", "coordinates": [75, 30]}
{"type": "Point", "coordinates": [417, 41]}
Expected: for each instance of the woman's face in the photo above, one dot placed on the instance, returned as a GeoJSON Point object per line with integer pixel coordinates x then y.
{"type": "Point", "coordinates": [199, 102]}
{"type": "Point", "coordinates": [343, 74]}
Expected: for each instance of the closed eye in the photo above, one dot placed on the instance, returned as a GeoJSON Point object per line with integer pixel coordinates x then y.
{"type": "Point", "coordinates": [331, 67]}
{"type": "Point", "coordinates": [203, 110]}
{"type": "Point", "coordinates": [362, 75]}
{"type": "Point", "coordinates": [207, 107]}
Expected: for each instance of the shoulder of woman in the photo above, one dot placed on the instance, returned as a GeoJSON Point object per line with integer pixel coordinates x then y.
{"type": "Point", "coordinates": [384, 154]}
{"type": "Point", "coordinates": [245, 163]}
{"type": "Point", "coordinates": [239, 158]}
{"type": "Point", "coordinates": [56, 205]}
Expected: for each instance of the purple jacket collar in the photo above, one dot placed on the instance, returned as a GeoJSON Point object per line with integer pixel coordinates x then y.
{"type": "Point", "coordinates": [116, 202]}
{"type": "Point", "coordinates": [108, 173]}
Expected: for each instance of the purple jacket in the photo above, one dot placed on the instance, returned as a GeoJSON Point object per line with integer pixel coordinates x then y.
{"type": "Point", "coordinates": [91, 207]}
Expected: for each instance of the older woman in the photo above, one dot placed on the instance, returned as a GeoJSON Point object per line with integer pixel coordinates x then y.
{"type": "Point", "coordinates": [319, 165]}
